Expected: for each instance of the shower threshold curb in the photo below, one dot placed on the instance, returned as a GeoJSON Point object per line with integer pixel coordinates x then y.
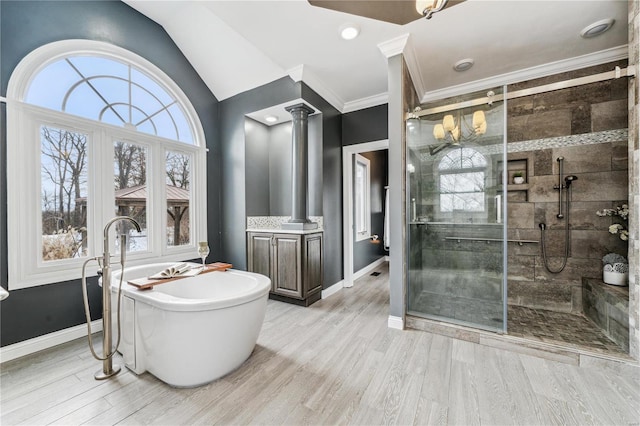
{"type": "Point", "coordinates": [566, 354]}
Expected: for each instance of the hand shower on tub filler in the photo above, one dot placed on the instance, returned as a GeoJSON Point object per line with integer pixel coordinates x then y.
{"type": "Point", "coordinates": [104, 262]}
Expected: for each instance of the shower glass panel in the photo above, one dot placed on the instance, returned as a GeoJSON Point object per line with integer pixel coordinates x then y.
{"type": "Point", "coordinates": [456, 153]}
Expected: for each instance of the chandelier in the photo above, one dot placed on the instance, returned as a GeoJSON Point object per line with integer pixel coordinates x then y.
{"type": "Point", "coordinates": [429, 7]}
{"type": "Point", "coordinates": [454, 129]}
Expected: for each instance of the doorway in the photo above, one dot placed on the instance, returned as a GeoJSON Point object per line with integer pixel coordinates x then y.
{"type": "Point", "coordinates": [351, 238]}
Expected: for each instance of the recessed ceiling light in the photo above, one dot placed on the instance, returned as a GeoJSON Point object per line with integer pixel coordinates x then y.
{"type": "Point", "coordinates": [349, 31]}
{"type": "Point", "coordinates": [597, 28]}
{"type": "Point", "coordinates": [271, 118]}
{"type": "Point", "coordinates": [463, 64]}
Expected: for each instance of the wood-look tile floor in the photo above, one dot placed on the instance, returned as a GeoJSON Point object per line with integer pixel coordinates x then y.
{"type": "Point", "coordinates": [566, 329]}
{"type": "Point", "coordinates": [335, 362]}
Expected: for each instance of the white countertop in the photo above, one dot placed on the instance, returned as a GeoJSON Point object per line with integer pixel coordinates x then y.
{"type": "Point", "coordinates": [286, 231]}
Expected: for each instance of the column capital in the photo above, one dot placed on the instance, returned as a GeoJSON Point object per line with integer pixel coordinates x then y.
{"type": "Point", "coordinates": [300, 107]}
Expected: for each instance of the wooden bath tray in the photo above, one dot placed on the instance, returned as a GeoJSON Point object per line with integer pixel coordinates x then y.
{"type": "Point", "coordinates": [147, 283]}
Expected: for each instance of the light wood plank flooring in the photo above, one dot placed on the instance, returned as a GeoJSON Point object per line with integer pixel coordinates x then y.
{"type": "Point", "coordinates": [335, 362]}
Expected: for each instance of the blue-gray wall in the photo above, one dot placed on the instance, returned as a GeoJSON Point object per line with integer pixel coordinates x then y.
{"type": "Point", "coordinates": [331, 185]}
{"type": "Point", "coordinates": [27, 25]}
{"type": "Point", "coordinates": [365, 125]}
{"type": "Point", "coordinates": [241, 150]}
{"type": "Point", "coordinates": [232, 119]}
{"type": "Point", "coordinates": [369, 125]}
{"type": "Point", "coordinates": [268, 167]}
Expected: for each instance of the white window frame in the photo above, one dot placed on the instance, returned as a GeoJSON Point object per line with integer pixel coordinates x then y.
{"type": "Point", "coordinates": [365, 232]}
{"type": "Point", "coordinates": [462, 170]}
{"type": "Point", "coordinates": [25, 267]}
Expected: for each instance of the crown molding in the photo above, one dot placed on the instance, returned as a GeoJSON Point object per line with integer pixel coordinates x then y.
{"type": "Point", "coordinates": [296, 73]}
{"type": "Point", "coordinates": [565, 65]}
{"type": "Point", "coordinates": [302, 73]}
{"type": "Point", "coordinates": [411, 59]}
{"type": "Point", "coordinates": [367, 102]}
{"type": "Point", "coordinates": [393, 47]}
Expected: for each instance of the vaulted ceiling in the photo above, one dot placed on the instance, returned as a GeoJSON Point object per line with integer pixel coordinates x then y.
{"type": "Point", "coordinates": [239, 45]}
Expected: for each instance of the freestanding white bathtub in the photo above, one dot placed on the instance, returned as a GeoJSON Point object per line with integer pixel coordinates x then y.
{"type": "Point", "coordinates": [193, 330]}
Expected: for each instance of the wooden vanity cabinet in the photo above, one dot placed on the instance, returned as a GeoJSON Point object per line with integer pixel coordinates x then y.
{"type": "Point", "coordinates": [292, 261]}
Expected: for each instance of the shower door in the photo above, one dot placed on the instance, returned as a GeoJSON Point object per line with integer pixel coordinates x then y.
{"type": "Point", "coordinates": [456, 202]}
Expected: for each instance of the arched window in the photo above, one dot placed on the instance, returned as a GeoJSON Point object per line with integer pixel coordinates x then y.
{"type": "Point", "coordinates": [462, 180]}
{"type": "Point", "coordinates": [111, 91]}
{"type": "Point", "coordinates": [95, 131]}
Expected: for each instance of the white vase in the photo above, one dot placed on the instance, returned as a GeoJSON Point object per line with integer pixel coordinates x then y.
{"type": "Point", "coordinates": [616, 274]}
{"type": "Point", "coordinates": [518, 180]}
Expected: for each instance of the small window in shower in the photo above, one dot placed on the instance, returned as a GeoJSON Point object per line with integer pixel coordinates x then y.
{"type": "Point", "coordinates": [462, 181]}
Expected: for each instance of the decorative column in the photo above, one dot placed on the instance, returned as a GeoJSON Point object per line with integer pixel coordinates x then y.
{"type": "Point", "coordinates": [299, 170]}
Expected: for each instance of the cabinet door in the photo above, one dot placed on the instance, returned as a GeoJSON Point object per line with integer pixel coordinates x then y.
{"type": "Point", "coordinates": [312, 258]}
{"type": "Point", "coordinates": [287, 280]}
{"type": "Point", "coordinates": [259, 254]}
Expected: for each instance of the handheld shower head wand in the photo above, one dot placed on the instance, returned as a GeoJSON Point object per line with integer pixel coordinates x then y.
{"type": "Point", "coordinates": [569, 179]}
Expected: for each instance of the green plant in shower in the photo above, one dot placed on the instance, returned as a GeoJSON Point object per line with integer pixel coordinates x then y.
{"type": "Point", "coordinates": [617, 228]}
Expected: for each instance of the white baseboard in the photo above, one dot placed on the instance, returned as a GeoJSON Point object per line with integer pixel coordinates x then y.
{"type": "Point", "coordinates": [370, 267]}
{"type": "Point", "coordinates": [17, 350]}
{"type": "Point", "coordinates": [333, 289]}
{"type": "Point", "coordinates": [395, 322]}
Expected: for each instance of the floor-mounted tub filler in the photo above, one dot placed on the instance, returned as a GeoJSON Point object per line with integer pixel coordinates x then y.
{"type": "Point", "coordinates": [190, 331]}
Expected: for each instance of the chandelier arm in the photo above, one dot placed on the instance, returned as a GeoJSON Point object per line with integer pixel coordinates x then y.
{"type": "Point", "coordinates": [437, 6]}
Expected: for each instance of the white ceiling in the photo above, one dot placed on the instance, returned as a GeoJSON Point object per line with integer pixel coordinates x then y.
{"type": "Point", "coordinates": [238, 45]}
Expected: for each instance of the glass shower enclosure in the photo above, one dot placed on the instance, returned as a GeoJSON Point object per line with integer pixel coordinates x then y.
{"type": "Point", "coordinates": [456, 204]}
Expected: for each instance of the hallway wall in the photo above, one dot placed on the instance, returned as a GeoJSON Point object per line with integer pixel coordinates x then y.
{"type": "Point", "coordinates": [370, 125]}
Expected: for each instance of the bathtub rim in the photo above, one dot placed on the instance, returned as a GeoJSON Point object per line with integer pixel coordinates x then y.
{"type": "Point", "coordinates": [181, 304]}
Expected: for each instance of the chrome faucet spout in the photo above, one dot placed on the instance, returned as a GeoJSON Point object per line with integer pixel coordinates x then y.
{"type": "Point", "coordinates": [107, 227]}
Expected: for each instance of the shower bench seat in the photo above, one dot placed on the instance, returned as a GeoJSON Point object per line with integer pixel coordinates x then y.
{"type": "Point", "coordinates": [608, 307]}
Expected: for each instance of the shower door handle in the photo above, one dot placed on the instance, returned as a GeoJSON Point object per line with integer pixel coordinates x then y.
{"type": "Point", "coordinates": [498, 199]}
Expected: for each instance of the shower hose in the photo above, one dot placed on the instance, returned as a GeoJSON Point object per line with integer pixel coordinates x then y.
{"type": "Point", "coordinates": [88, 314]}
{"type": "Point", "coordinates": [567, 240]}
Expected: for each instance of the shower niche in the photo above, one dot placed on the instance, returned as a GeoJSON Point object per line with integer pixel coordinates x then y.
{"type": "Point", "coordinates": [517, 189]}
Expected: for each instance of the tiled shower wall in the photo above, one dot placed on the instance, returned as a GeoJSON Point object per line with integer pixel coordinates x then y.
{"type": "Point", "coordinates": [583, 125]}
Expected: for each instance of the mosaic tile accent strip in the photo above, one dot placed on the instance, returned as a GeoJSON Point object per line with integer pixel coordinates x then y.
{"type": "Point", "coordinates": [570, 141]}
{"type": "Point", "coordinates": [547, 143]}
{"type": "Point", "coordinates": [275, 222]}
